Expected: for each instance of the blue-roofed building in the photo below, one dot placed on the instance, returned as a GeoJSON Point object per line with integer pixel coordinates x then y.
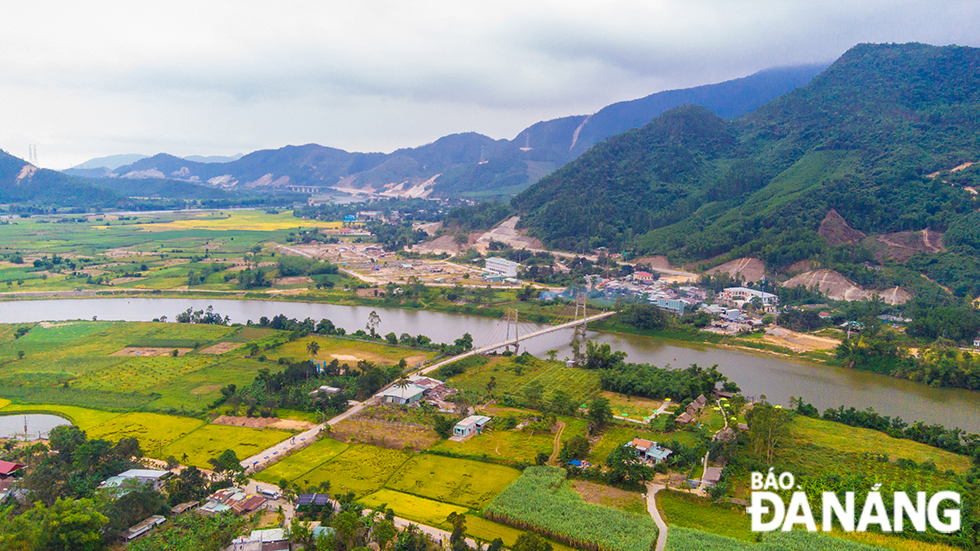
{"type": "Point", "coordinates": [649, 451]}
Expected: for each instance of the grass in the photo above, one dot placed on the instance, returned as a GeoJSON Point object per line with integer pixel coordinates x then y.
{"type": "Point", "coordinates": [631, 502]}
{"type": "Point", "coordinates": [687, 511]}
{"type": "Point", "coordinates": [858, 440]}
{"type": "Point", "coordinates": [211, 440]}
{"type": "Point", "coordinates": [631, 407]}
{"type": "Point", "coordinates": [421, 510]}
{"type": "Point", "coordinates": [82, 418]}
{"type": "Point", "coordinates": [153, 430]}
{"type": "Point", "coordinates": [296, 465]}
{"type": "Point", "coordinates": [361, 469]}
{"type": "Point", "coordinates": [459, 481]}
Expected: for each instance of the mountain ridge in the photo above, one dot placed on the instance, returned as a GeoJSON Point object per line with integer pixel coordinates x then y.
{"type": "Point", "coordinates": [467, 162]}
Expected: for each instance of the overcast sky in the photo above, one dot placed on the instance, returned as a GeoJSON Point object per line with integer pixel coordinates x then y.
{"type": "Point", "coordinates": [96, 78]}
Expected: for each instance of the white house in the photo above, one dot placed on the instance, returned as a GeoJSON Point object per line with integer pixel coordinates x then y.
{"type": "Point", "coordinates": [473, 423]}
{"type": "Point", "coordinates": [502, 266]}
{"type": "Point", "coordinates": [744, 294]}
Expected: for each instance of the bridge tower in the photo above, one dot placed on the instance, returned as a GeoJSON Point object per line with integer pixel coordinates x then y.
{"type": "Point", "coordinates": [580, 301]}
{"type": "Point", "coordinates": [512, 320]}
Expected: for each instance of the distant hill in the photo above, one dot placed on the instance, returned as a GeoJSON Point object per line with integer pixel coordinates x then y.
{"type": "Point", "coordinates": [111, 162]}
{"type": "Point", "coordinates": [466, 164]}
{"type": "Point", "coordinates": [24, 183]}
{"type": "Point", "coordinates": [884, 137]}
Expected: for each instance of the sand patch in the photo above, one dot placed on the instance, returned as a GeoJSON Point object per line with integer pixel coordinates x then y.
{"type": "Point", "coordinates": [751, 269]}
{"type": "Point", "coordinates": [345, 358]}
{"type": "Point", "coordinates": [798, 342]}
{"type": "Point", "coordinates": [222, 347]}
{"type": "Point", "coordinates": [122, 280]}
{"type": "Point", "coordinates": [205, 389]}
{"type": "Point", "coordinates": [149, 352]}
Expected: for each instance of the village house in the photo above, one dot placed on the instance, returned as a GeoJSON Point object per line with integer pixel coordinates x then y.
{"type": "Point", "coordinates": [470, 425]}
{"type": "Point", "coordinates": [272, 539]}
{"type": "Point", "coordinates": [234, 500]}
{"type": "Point", "coordinates": [649, 451]}
{"type": "Point", "coordinates": [8, 469]}
{"type": "Point", "coordinates": [147, 477]}
{"type": "Point", "coordinates": [142, 528]}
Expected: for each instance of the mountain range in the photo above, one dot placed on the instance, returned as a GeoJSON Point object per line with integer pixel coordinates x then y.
{"type": "Point", "coordinates": [467, 164]}
{"type": "Point", "coordinates": [872, 163]}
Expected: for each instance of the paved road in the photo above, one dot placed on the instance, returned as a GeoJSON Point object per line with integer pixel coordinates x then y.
{"type": "Point", "coordinates": [266, 457]}
{"type": "Point", "coordinates": [652, 490]}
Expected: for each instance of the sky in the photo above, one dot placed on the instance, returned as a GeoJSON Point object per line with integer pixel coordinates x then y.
{"type": "Point", "coordinates": [88, 79]}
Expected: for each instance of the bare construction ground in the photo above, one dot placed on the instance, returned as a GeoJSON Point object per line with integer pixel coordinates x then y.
{"type": "Point", "coordinates": [902, 246]}
{"type": "Point", "coordinates": [507, 233]}
{"type": "Point", "coordinates": [837, 287]}
{"type": "Point", "coordinates": [751, 269]}
{"type": "Point", "coordinates": [798, 342]}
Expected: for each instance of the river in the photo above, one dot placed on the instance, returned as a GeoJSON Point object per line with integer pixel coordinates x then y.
{"type": "Point", "coordinates": [757, 374]}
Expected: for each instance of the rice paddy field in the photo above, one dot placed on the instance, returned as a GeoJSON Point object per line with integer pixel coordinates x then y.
{"type": "Point", "coordinates": [360, 469]}
{"type": "Point", "coordinates": [459, 481]}
{"type": "Point", "coordinates": [153, 430]}
{"type": "Point", "coordinates": [419, 509]}
{"type": "Point", "coordinates": [209, 441]}
{"type": "Point", "coordinates": [298, 464]}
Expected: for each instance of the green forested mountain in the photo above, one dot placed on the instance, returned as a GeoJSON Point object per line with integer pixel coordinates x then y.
{"type": "Point", "coordinates": [22, 182]}
{"type": "Point", "coordinates": [874, 137]}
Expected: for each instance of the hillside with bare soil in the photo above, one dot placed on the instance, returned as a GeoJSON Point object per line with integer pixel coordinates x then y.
{"type": "Point", "coordinates": [838, 287]}
{"type": "Point", "coordinates": [837, 231]}
{"type": "Point", "coordinates": [751, 269]}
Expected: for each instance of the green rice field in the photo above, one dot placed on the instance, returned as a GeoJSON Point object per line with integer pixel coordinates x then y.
{"type": "Point", "coordinates": [459, 481]}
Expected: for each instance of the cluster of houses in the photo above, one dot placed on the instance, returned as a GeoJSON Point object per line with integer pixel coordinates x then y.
{"type": "Point", "coordinates": [692, 411]}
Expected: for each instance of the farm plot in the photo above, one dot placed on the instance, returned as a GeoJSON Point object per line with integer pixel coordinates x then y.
{"type": "Point", "coordinates": [541, 500]}
{"type": "Point", "coordinates": [347, 351]}
{"type": "Point", "coordinates": [686, 539]}
{"type": "Point", "coordinates": [295, 466]}
{"type": "Point", "coordinates": [153, 430]}
{"type": "Point", "coordinates": [458, 481]}
{"type": "Point", "coordinates": [360, 469]}
{"type": "Point", "coordinates": [210, 440]}
{"type": "Point", "coordinates": [196, 390]}
{"type": "Point", "coordinates": [137, 374]}
{"type": "Point", "coordinates": [512, 378]}
{"type": "Point", "coordinates": [421, 510]}
{"type": "Point", "coordinates": [487, 530]}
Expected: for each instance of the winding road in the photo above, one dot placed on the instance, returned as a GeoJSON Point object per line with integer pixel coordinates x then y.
{"type": "Point", "coordinates": [652, 490]}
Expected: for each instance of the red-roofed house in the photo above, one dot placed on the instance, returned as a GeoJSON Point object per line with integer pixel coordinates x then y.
{"type": "Point", "coordinates": [8, 469]}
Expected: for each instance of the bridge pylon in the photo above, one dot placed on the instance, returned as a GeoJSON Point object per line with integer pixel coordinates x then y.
{"type": "Point", "coordinates": [512, 320]}
{"type": "Point", "coordinates": [581, 299]}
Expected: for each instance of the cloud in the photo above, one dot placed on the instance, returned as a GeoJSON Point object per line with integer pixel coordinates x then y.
{"type": "Point", "coordinates": [228, 76]}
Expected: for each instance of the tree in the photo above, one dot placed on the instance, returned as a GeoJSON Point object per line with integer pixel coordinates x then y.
{"type": "Point", "coordinates": [600, 413]}
{"type": "Point", "coordinates": [444, 426]}
{"type": "Point", "coordinates": [72, 525]}
{"type": "Point", "coordinates": [767, 429]}
{"type": "Point", "coordinates": [384, 532]}
{"type": "Point", "coordinates": [625, 466]}
{"type": "Point", "coordinates": [372, 324]}
{"type": "Point", "coordinates": [561, 403]}
{"type": "Point", "coordinates": [312, 348]}
{"type": "Point", "coordinates": [531, 542]}
{"type": "Point", "coordinates": [601, 356]}
{"type": "Point", "coordinates": [457, 540]}
{"type": "Point", "coordinates": [551, 354]}
{"type": "Point", "coordinates": [533, 393]}
{"type": "Point", "coordinates": [491, 385]}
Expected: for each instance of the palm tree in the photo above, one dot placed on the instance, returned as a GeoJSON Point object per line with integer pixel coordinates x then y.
{"type": "Point", "coordinates": [313, 347]}
{"type": "Point", "coordinates": [402, 383]}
